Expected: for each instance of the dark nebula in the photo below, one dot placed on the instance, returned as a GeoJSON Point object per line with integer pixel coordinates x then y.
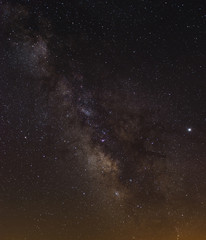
{"type": "Point", "coordinates": [102, 120]}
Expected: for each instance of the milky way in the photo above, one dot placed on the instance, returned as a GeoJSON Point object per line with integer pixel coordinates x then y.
{"type": "Point", "coordinates": [102, 120]}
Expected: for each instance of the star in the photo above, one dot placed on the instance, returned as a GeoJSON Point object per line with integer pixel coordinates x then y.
{"type": "Point", "coordinates": [116, 193]}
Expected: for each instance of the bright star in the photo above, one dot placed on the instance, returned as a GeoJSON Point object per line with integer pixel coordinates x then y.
{"type": "Point", "coordinates": [116, 193]}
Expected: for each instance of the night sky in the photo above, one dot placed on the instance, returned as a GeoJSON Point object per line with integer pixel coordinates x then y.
{"type": "Point", "coordinates": [102, 120]}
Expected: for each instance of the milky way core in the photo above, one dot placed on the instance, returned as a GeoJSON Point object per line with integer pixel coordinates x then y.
{"type": "Point", "coordinates": [102, 120]}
